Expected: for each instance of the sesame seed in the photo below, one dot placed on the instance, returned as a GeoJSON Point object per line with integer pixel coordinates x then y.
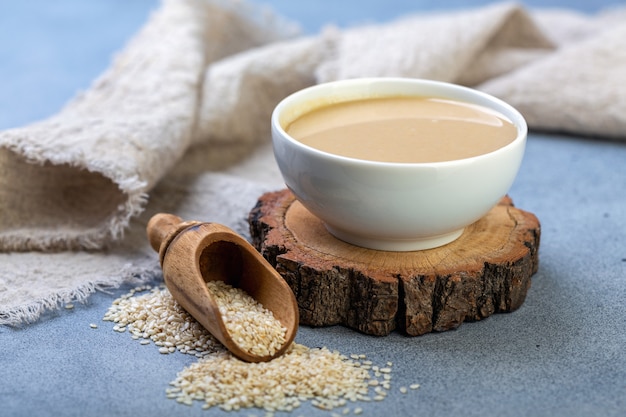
{"type": "Point", "coordinates": [264, 335]}
{"type": "Point", "coordinates": [414, 386]}
{"type": "Point", "coordinates": [146, 315]}
{"type": "Point", "coordinates": [93, 325]}
{"type": "Point", "coordinates": [326, 378]}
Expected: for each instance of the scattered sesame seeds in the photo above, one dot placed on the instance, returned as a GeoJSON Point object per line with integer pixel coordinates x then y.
{"type": "Point", "coordinates": [156, 316]}
{"type": "Point", "coordinates": [325, 378]}
{"type": "Point", "coordinates": [69, 306]}
{"type": "Point", "coordinates": [93, 325]}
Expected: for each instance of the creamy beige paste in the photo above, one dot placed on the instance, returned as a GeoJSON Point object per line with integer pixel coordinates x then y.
{"type": "Point", "coordinates": [404, 129]}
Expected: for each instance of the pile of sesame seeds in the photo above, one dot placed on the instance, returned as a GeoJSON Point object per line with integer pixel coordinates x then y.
{"type": "Point", "coordinates": [252, 327]}
{"type": "Point", "coordinates": [327, 379]}
{"type": "Point", "coordinates": [155, 316]}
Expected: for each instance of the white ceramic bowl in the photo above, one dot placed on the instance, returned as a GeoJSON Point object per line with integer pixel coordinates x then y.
{"type": "Point", "coordinates": [393, 206]}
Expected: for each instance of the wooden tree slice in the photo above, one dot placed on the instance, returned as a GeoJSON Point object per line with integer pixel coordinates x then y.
{"type": "Point", "coordinates": [487, 270]}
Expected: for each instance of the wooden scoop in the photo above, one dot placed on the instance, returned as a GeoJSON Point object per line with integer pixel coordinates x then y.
{"type": "Point", "coordinates": [193, 253]}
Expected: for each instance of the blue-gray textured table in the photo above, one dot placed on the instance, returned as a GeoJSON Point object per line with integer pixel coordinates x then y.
{"type": "Point", "coordinates": [562, 353]}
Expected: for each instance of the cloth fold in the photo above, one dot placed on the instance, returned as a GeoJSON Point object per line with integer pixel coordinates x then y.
{"type": "Point", "coordinates": [443, 47]}
{"type": "Point", "coordinates": [111, 144]}
{"type": "Point", "coordinates": [579, 89]}
{"type": "Point", "coordinates": [180, 123]}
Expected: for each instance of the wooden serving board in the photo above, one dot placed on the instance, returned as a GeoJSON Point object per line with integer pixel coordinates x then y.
{"type": "Point", "coordinates": [485, 271]}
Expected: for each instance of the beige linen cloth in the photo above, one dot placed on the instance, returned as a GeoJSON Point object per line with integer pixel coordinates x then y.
{"type": "Point", "coordinates": [180, 123]}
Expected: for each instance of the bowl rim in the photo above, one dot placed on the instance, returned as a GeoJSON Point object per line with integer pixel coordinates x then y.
{"type": "Point", "coordinates": [511, 113]}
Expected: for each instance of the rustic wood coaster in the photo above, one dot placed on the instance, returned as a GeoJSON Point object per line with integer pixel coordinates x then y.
{"type": "Point", "coordinates": [487, 270]}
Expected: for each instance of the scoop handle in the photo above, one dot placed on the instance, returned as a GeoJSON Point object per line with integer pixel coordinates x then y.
{"type": "Point", "coordinates": [160, 226]}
